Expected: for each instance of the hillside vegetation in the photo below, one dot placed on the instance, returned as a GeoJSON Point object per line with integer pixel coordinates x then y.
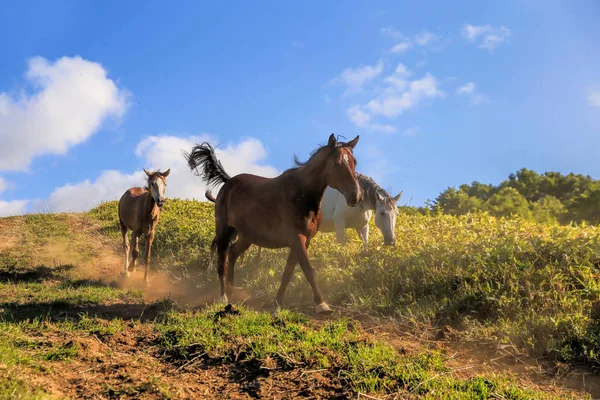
{"type": "Point", "coordinates": [531, 284]}
{"type": "Point", "coordinates": [71, 327]}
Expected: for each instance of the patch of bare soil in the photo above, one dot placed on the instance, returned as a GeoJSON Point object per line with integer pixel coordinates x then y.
{"type": "Point", "coordinates": [477, 358]}
{"type": "Point", "coordinates": [126, 365]}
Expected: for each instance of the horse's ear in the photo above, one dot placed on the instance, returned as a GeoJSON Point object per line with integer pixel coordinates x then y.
{"type": "Point", "coordinates": [166, 173]}
{"type": "Point", "coordinates": [332, 141]}
{"type": "Point", "coordinates": [353, 142]}
{"type": "Point", "coordinates": [397, 197]}
{"type": "Point", "coordinates": [147, 173]}
{"type": "Point", "coordinates": [379, 197]}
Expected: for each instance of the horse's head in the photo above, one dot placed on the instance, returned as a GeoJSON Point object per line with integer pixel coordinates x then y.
{"type": "Point", "coordinates": [339, 170]}
{"type": "Point", "coordinates": [157, 183]}
{"type": "Point", "coordinates": [386, 212]}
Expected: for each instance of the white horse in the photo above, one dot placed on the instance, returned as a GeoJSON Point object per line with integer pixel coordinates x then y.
{"type": "Point", "coordinates": [337, 216]}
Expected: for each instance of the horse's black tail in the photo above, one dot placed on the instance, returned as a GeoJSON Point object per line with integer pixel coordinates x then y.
{"type": "Point", "coordinates": [209, 196]}
{"type": "Point", "coordinates": [203, 157]}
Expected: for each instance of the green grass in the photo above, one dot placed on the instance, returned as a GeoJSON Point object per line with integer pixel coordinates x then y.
{"type": "Point", "coordinates": [340, 346]}
{"type": "Point", "coordinates": [363, 364]}
{"type": "Point", "coordinates": [495, 279]}
{"type": "Point", "coordinates": [507, 279]}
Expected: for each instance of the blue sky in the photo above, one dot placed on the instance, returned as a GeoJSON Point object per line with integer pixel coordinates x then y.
{"type": "Point", "coordinates": [441, 93]}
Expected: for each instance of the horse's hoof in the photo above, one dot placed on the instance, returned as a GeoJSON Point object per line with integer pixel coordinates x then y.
{"type": "Point", "coordinates": [125, 274]}
{"type": "Point", "coordinates": [323, 308]}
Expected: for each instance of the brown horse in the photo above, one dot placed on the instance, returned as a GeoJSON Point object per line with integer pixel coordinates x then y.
{"type": "Point", "coordinates": [139, 209]}
{"type": "Point", "coordinates": [279, 212]}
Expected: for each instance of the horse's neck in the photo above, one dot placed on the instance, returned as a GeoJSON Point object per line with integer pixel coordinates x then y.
{"type": "Point", "coordinates": [150, 207]}
{"type": "Point", "coordinates": [313, 183]}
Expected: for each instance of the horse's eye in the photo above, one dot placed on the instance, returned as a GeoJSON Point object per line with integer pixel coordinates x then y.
{"type": "Point", "coordinates": [382, 213]}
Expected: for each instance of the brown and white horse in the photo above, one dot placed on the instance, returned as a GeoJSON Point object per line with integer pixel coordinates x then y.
{"type": "Point", "coordinates": [139, 209]}
{"type": "Point", "coordinates": [279, 212]}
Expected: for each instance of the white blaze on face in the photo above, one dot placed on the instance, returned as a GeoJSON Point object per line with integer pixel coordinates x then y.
{"type": "Point", "coordinates": [345, 158]}
{"type": "Point", "coordinates": [158, 189]}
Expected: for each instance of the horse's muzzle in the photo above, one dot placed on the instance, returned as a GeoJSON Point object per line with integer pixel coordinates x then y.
{"type": "Point", "coordinates": [355, 198]}
{"type": "Point", "coordinates": [160, 203]}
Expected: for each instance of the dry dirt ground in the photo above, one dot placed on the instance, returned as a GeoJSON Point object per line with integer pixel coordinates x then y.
{"type": "Point", "coordinates": [128, 365]}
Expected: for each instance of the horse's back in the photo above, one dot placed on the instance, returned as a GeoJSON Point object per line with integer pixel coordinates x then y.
{"type": "Point", "coordinates": [258, 208]}
{"type": "Point", "coordinates": [129, 204]}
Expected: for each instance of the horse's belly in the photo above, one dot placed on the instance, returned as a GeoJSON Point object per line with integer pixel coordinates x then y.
{"type": "Point", "coordinates": [327, 225]}
{"type": "Point", "coordinates": [268, 237]}
{"type": "Point", "coordinates": [357, 219]}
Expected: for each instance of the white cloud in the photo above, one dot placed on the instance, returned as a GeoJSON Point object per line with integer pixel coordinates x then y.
{"type": "Point", "coordinates": [74, 98]}
{"type": "Point", "coordinates": [479, 99]}
{"type": "Point", "coordinates": [403, 95]}
{"type": "Point", "coordinates": [487, 36]}
{"type": "Point", "coordinates": [425, 38]}
{"type": "Point", "coordinates": [466, 89]}
{"type": "Point", "coordinates": [404, 43]}
{"type": "Point", "coordinates": [470, 90]}
{"type": "Point", "coordinates": [412, 132]}
{"type": "Point", "coordinates": [401, 47]}
{"type": "Point", "coordinates": [390, 31]}
{"type": "Point", "coordinates": [362, 119]}
{"type": "Point", "coordinates": [472, 32]}
{"type": "Point", "coordinates": [355, 78]}
{"type": "Point", "coordinates": [593, 98]}
{"type": "Point", "coordinates": [162, 152]}
{"type": "Point", "coordinates": [358, 116]}
{"type": "Point", "coordinates": [14, 207]}
{"type": "Point", "coordinates": [399, 94]}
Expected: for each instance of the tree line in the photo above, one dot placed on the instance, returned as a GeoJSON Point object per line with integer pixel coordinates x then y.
{"type": "Point", "coordinates": [548, 198]}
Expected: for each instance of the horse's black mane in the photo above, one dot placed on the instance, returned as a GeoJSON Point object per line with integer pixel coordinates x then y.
{"type": "Point", "coordinates": [313, 153]}
{"type": "Point", "coordinates": [370, 189]}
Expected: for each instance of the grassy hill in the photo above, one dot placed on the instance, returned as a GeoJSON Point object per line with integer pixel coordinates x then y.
{"type": "Point", "coordinates": [411, 321]}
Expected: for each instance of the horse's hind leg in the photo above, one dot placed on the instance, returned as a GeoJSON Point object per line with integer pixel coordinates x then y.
{"type": "Point", "coordinates": [222, 240]}
{"type": "Point", "coordinates": [125, 246]}
{"type": "Point", "coordinates": [239, 247]}
{"type": "Point", "coordinates": [135, 252]}
{"type": "Point", "coordinates": [285, 278]}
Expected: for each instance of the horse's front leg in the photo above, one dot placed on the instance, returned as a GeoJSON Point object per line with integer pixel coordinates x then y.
{"type": "Point", "coordinates": [340, 229]}
{"type": "Point", "coordinates": [149, 240]}
{"type": "Point", "coordinates": [125, 249]}
{"type": "Point", "coordinates": [309, 273]}
{"type": "Point", "coordinates": [239, 247]}
{"type": "Point", "coordinates": [363, 233]}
